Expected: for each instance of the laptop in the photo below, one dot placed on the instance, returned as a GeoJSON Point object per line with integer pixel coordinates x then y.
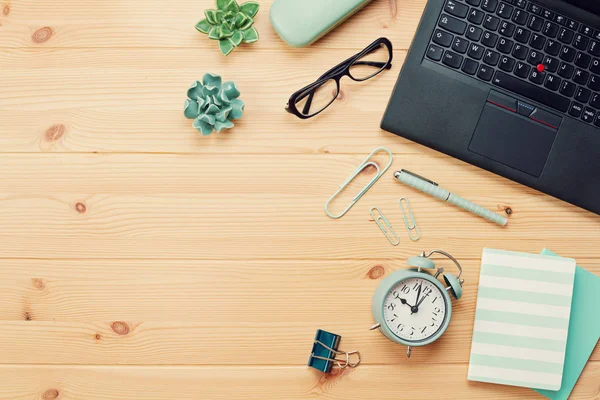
{"type": "Point", "coordinates": [511, 86]}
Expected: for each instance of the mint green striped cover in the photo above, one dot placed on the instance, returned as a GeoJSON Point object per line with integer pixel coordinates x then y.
{"type": "Point", "coordinates": [521, 319]}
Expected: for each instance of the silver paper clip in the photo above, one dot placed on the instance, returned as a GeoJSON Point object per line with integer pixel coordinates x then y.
{"type": "Point", "coordinates": [385, 226]}
{"type": "Point", "coordinates": [409, 220]}
{"type": "Point", "coordinates": [365, 164]}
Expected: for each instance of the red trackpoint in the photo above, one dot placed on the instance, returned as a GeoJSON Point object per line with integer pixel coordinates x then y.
{"type": "Point", "coordinates": [541, 67]}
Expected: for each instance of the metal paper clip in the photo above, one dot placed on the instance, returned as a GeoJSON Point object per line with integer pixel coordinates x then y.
{"type": "Point", "coordinates": [365, 164]}
{"type": "Point", "coordinates": [323, 355]}
{"type": "Point", "coordinates": [411, 225]}
{"type": "Point", "coordinates": [385, 226]}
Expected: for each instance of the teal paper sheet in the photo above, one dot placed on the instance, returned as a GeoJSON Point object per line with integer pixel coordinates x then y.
{"type": "Point", "coordinates": [584, 330]}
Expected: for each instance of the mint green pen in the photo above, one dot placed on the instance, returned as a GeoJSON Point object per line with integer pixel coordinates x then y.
{"type": "Point", "coordinates": [432, 189]}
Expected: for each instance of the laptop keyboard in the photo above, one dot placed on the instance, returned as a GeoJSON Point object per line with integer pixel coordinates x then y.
{"type": "Point", "coordinates": [525, 48]}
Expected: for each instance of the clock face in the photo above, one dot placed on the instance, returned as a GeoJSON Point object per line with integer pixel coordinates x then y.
{"type": "Point", "coordinates": [414, 309]}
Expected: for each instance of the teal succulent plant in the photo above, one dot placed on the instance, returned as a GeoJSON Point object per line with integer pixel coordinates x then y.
{"type": "Point", "coordinates": [230, 24]}
{"type": "Point", "coordinates": [213, 104]}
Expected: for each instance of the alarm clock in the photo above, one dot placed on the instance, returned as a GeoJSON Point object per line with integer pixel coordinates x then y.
{"type": "Point", "coordinates": [412, 306]}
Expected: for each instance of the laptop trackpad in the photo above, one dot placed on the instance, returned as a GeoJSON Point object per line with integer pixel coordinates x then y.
{"type": "Point", "coordinates": [513, 140]}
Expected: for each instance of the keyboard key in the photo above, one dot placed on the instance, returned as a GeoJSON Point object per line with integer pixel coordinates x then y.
{"type": "Point", "coordinates": [520, 3]}
{"type": "Point", "coordinates": [537, 41]}
{"type": "Point", "coordinates": [490, 22]}
{"type": "Point", "coordinates": [535, 23]}
{"type": "Point", "coordinates": [489, 5]}
{"type": "Point", "coordinates": [550, 29]}
{"type": "Point", "coordinates": [552, 82]}
{"type": "Point", "coordinates": [489, 39]}
{"type": "Point", "coordinates": [551, 63]}
{"type": "Point", "coordinates": [581, 77]}
{"type": "Point", "coordinates": [567, 53]}
{"type": "Point", "coordinates": [534, 8]}
{"type": "Point", "coordinates": [520, 51]}
{"type": "Point", "coordinates": [547, 14]}
{"type": "Point", "coordinates": [505, 10]}
{"type": "Point", "coordinates": [565, 35]}
{"type": "Point", "coordinates": [475, 3]}
{"type": "Point", "coordinates": [520, 17]}
{"type": "Point", "coordinates": [582, 60]}
{"type": "Point", "coordinates": [595, 100]}
{"type": "Point", "coordinates": [580, 42]}
{"type": "Point", "coordinates": [474, 33]}
{"type": "Point", "coordinates": [435, 52]}
{"type": "Point", "coordinates": [588, 114]}
{"type": "Point", "coordinates": [582, 94]}
{"type": "Point", "coordinates": [531, 91]}
{"type": "Point", "coordinates": [491, 57]}
{"type": "Point", "coordinates": [586, 30]}
{"type": "Point", "coordinates": [572, 24]}
{"type": "Point", "coordinates": [576, 109]}
{"type": "Point", "coordinates": [506, 63]}
{"type": "Point", "coordinates": [522, 35]}
{"type": "Point", "coordinates": [559, 19]}
{"type": "Point", "coordinates": [476, 51]}
{"type": "Point", "coordinates": [452, 59]}
{"type": "Point", "coordinates": [460, 45]}
{"type": "Point", "coordinates": [535, 57]}
{"type": "Point", "coordinates": [522, 70]}
{"type": "Point", "coordinates": [506, 29]}
{"type": "Point", "coordinates": [594, 83]}
{"type": "Point", "coordinates": [452, 24]}
{"type": "Point", "coordinates": [476, 16]}
{"type": "Point", "coordinates": [595, 66]}
{"type": "Point", "coordinates": [567, 88]}
{"type": "Point", "coordinates": [537, 77]}
{"type": "Point", "coordinates": [457, 9]}
{"type": "Point", "coordinates": [442, 38]}
{"type": "Point", "coordinates": [594, 48]}
{"type": "Point", "coordinates": [486, 73]}
{"type": "Point", "coordinates": [552, 47]}
{"type": "Point", "coordinates": [470, 66]}
{"type": "Point", "coordinates": [505, 45]}
{"type": "Point", "coordinates": [566, 70]}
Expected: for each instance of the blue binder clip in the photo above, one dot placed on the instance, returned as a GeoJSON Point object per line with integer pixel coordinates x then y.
{"type": "Point", "coordinates": [325, 350]}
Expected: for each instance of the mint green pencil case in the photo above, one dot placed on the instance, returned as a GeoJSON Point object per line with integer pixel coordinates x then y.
{"type": "Point", "coordinates": [302, 22]}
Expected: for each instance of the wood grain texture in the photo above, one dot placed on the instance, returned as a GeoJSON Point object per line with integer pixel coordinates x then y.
{"type": "Point", "coordinates": [139, 260]}
{"type": "Point", "coordinates": [183, 383]}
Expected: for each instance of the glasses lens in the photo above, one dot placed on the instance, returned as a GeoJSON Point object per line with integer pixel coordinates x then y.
{"type": "Point", "coordinates": [317, 98]}
{"type": "Point", "coordinates": [370, 64]}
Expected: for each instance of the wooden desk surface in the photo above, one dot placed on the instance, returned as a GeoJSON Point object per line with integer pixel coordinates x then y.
{"type": "Point", "coordinates": [140, 260]}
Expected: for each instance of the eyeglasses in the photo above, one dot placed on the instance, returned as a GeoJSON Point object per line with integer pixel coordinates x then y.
{"type": "Point", "coordinates": [316, 97]}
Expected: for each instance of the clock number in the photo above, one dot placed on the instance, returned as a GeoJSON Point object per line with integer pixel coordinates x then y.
{"type": "Point", "coordinates": [416, 285]}
{"type": "Point", "coordinates": [405, 289]}
{"type": "Point", "coordinates": [427, 291]}
{"type": "Point", "coordinates": [400, 327]}
{"type": "Point", "coordinates": [423, 330]}
{"type": "Point", "coordinates": [436, 309]}
{"type": "Point", "coordinates": [391, 306]}
{"type": "Point", "coordinates": [434, 300]}
{"type": "Point", "coordinates": [393, 319]}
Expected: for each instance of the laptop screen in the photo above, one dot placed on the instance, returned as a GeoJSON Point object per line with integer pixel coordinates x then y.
{"type": "Point", "coordinates": [589, 5]}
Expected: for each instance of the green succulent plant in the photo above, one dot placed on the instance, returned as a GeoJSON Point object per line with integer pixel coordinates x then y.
{"type": "Point", "coordinates": [230, 24]}
{"type": "Point", "coordinates": [213, 104]}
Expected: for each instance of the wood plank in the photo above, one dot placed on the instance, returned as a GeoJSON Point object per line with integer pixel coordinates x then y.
{"type": "Point", "coordinates": [182, 383]}
{"type": "Point", "coordinates": [117, 100]}
{"type": "Point", "coordinates": [70, 23]}
{"type": "Point", "coordinates": [191, 312]}
{"type": "Point", "coordinates": [136, 206]}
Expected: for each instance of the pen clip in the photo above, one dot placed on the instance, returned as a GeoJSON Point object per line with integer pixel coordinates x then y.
{"type": "Point", "coordinates": [419, 176]}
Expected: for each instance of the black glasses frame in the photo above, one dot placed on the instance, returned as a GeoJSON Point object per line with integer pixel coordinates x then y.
{"type": "Point", "coordinates": [337, 73]}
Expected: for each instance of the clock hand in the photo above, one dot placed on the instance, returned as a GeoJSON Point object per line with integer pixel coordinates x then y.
{"type": "Point", "coordinates": [416, 308]}
{"type": "Point", "coordinates": [403, 301]}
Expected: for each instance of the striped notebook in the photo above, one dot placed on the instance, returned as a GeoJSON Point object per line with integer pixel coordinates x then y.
{"type": "Point", "coordinates": [522, 319]}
